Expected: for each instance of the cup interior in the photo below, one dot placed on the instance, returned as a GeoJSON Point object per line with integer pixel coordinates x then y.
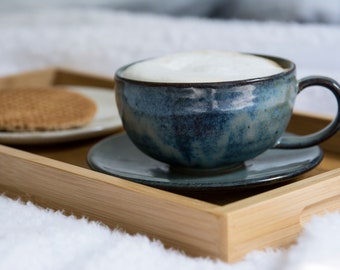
{"type": "Point", "coordinates": [287, 65]}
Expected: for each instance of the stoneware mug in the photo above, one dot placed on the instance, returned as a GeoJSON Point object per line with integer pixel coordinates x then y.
{"type": "Point", "coordinates": [198, 127]}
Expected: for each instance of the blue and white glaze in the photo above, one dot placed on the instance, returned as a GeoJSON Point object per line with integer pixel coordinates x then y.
{"type": "Point", "coordinates": [215, 126]}
{"type": "Point", "coordinates": [206, 125]}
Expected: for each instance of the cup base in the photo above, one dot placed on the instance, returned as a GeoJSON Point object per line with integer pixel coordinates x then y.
{"type": "Point", "coordinates": [205, 171]}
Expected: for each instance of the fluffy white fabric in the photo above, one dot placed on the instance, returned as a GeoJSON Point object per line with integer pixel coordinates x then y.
{"type": "Point", "coordinates": [101, 41]}
{"type": "Point", "coordinates": [36, 238]}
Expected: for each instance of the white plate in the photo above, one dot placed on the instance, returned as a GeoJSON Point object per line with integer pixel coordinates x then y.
{"type": "Point", "coordinates": [106, 121]}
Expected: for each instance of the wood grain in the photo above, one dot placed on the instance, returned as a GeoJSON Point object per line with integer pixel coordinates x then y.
{"type": "Point", "coordinates": [56, 76]}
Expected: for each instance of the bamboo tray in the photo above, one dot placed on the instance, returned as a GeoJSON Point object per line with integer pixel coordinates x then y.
{"type": "Point", "coordinates": [225, 225]}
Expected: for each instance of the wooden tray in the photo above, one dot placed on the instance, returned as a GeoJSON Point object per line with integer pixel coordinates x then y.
{"type": "Point", "coordinates": [225, 225]}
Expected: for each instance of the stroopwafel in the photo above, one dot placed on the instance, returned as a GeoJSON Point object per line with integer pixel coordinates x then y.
{"type": "Point", "coordinates": [43, 109]}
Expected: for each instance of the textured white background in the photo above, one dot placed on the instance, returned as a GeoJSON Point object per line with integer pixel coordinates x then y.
{"type": "Point", "coordinates": [100, 42]}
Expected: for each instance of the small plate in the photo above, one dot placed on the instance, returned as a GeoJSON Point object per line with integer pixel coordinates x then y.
{"type": "Point", "coordinates": [117, 155]}
{"type": "Point", "coordinates": [106, 121]}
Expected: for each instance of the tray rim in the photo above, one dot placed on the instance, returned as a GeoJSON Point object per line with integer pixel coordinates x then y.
{"type": "Point", "coordinates": [221, 218]}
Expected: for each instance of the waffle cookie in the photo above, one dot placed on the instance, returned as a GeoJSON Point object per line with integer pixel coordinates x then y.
{"type": "Point", "coordinates": [43, 109]}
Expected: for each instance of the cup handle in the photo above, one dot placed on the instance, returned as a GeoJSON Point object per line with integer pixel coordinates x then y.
{"type": "Point", "coordinates": [295, 141]}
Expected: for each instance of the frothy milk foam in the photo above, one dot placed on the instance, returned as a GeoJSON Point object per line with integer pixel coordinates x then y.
{"type": "Point", "coordinates": [205, 66]}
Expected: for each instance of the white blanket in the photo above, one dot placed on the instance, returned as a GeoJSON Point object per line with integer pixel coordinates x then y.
{"type": "Point", "coordinates": [101, 41]}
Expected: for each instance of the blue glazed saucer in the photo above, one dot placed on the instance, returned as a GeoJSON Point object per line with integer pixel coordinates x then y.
{"type": "Point", "coordinates": [117, 155]}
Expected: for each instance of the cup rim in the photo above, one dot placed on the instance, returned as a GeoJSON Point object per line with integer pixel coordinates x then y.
{"type": "Point", "coordinates": [285, 63]}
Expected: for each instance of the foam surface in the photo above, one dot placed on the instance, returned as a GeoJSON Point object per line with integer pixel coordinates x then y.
{"type": "Point", "coordinates": [203, 66]}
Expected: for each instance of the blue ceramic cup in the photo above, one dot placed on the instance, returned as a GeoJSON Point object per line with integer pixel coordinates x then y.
{"type": "Point", "coordinates": [215, 126]}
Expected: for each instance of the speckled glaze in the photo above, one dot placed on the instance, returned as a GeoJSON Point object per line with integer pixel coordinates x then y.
{"type": "Point", "coordinates": [207, 125]}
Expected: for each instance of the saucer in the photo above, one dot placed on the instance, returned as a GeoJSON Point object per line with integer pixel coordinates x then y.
{"type": "Point", "coordinates": [118, 156]}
